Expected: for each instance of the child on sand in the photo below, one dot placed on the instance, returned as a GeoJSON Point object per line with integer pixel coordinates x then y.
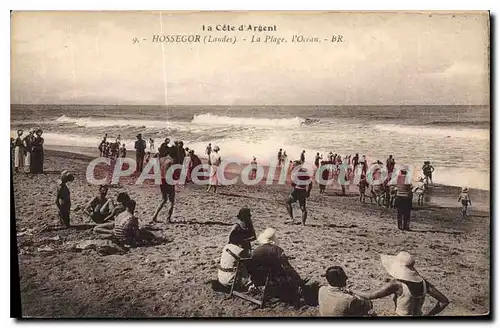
{"type": "Point", "coordinates": [464, 198]}
{"type": "Point", "coordinates": [63, 199]}
{"type": "Point", "coordinates": [99, 208]}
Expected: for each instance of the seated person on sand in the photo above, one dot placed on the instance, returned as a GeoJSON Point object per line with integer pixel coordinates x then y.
{"type": "Point", "coordinates": [408, 287]}
{"type": "Point", "coordinates": [122, 198]}
{"type": "Point", "coordinates": [335, 300]}
{"type": "Point", "coordinates": [244, 230]}
{"type": "Point", "coordinates": [125, 229]}
{"type": "Point", "coordinates": [269, 257]}
{"type": "Point", "coordinates": [100, 207]}
{"type": "Point", "coordinates": [228, 261]}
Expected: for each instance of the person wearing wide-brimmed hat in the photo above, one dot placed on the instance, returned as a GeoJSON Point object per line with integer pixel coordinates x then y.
{"type": "Point", "coordinates": [243, 228]}
{"type": "Point", "coordinates": [63, 198]}
{"type": "Point", "coordinates": [408, 287]}
{"type": "Point", "coordinates": [269, 257]}
{"type": "Point", "coordinates": [140, 152]}
{"type": "Point", "coordinates": [336, 300]}
{"type": "Point", "coordinates": [37, 154]}
{"type": "Point", "coordinates": [464, 198]}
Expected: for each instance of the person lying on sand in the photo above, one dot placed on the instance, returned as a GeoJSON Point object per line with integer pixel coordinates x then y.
{"type": "Point", "coordinates": [408, 287]}
{"type": "Point", "coordinates": [337, 301]}
{"type": "Point", "coordinates": [465, 199]}
{"type": "Point", "coordinates": [125, 227]}
{"type": "Point", "coordinates": [167, 190]}
{"type": "Point", "coordinates": [63, 198]}
{"type": "Point", "coordinates": [269, 257]}
{"type": "Point", "coordinates": [100, 207]}
{"type": "Point", "coordinates": [243, 228]}
{"type": "Point", "coordinates": [226, 272]}
{"type": "Point", "coordinates": [301, 191]}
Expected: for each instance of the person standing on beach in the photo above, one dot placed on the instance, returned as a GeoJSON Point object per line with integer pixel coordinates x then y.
{"type": "Point", "coordinates": [152, 146]}
{"type": "Point", "coordinates": [63, 198]}
{"type": "Point", "coordinates": [390, 164]}
{"type": "Point", "coordinates": [465, 199]}
{"type": "Point", "coordinates": [140, 152]}
{"type": "Point", "coordinates": [303, 157]}
{"type": "Point", "coordinates": [19, 151]}
{"type": "Point", "coordinates": [317, 159]}
{"type": "Point", "coordinates": [403, 201]}
{"type": "Point", "coordinates": [119, 139]}
{"type": "Point", "coordinates": [427, 169]}
{"type": "Point", "coordinates": [280, 157]}
{"type": "Point", "coordinates": [208, 152]}
{"type": "Point", "coordinates": [167, 188]}
{"type": "Point", "coordinates": [284, 158]}
{"type": "Point", "coordinates": [164, 148]}
{"type": "Point", "coordinates": [253, 165]}
{"type": "Point", "coordinates": [28, 146]}
{"type": "Point", "coordinates": [36, 161]}
{"type": "Point", "coordinates": [302, 185]}
{"type": "Point", "coordinates": [123, 151]}
{"type": "Point", "coordinates": [215, 161]}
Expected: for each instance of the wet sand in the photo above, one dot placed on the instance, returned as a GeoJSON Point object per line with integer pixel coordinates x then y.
{"type": "Point", "coordinates": [171, 279]}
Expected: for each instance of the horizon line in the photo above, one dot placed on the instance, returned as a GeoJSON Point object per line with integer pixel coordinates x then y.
{"type": "Point", "coordinates": [242, 105]}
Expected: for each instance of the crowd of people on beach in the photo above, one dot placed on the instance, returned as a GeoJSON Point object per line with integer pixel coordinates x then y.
{"type": "Point", "coordinates": [268, 264]}
{"type": "Point", "coordinates": [115, 219]}
{"type": "Point", "coordinates": [28, 151]}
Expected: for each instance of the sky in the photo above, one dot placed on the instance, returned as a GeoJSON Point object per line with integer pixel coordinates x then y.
{"type": "Point", "coordinates": [384, 59]}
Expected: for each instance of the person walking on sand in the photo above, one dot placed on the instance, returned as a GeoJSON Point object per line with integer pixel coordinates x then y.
{"type": "Point", "coordinates": [303, 157]}
{"type": "Point", "coordinates": [164, 148]}
{"type": "Point", "coordinates": [284, 158]}
{"type": "Point", "coordinates": [215, 161]}
{"type": "Point", "coordinates": [37, 154]}
{"type": "Point", "coordinates": [152, 148]}
{"type": "Point", "coordinates": [123, 151]}
{"type": "Point", "coordinates": [208, 152]}
{"type": "Point", "coordinates": [390, 164]}
{"type": "Point", "coordinates": [408, 287]}
{"type": "Point", "coordinates": [167, 189]}
{"type": "Point", "coordinates": [302, 185]}
{"type": "Point", "coordinates": [119, 139]}
{"type": "Point", "coordinates": [63, 198]}
{"type": "Point", "coordinates": [464, 198]}
{"type": "Point", "coordinates": [280, 157]}
{"type": "Point", "coordinates": [19, 151]}
{"type": "Point", "coordinates": [427, 169]}
{"type": "Point", "coordinates": [140, 152]}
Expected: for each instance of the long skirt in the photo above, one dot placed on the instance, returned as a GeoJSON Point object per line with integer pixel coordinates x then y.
{"type": "Point", "coordinates": [18, 157]}
{"type": "Point", "coordinates": [36, 162]}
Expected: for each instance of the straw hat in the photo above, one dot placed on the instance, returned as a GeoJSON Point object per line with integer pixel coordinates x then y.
{"type": "Point", "coordinates": [268, 236]}
{"type": "Point", "coordinates": [401, 267]}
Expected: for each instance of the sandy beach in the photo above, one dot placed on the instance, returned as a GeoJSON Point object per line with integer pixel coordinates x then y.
{"type": "Point", "coordinates": [172, 279]}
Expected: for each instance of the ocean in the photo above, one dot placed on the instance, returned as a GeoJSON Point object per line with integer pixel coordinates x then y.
{"type": "Point", "coordinates": [456, 139]}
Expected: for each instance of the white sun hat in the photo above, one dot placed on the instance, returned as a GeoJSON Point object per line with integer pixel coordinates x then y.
{"type": "Point", "coordinates": [268, 236]}
{"type": "Point", "coordinates": [401, 267]}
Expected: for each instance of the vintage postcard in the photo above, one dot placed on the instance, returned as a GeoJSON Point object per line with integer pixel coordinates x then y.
{"type": "Point", "coordinates": [251, 164]}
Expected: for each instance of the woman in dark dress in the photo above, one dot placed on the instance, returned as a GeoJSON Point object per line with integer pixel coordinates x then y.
{"type": "Point", "coordinates": [36, 162]}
